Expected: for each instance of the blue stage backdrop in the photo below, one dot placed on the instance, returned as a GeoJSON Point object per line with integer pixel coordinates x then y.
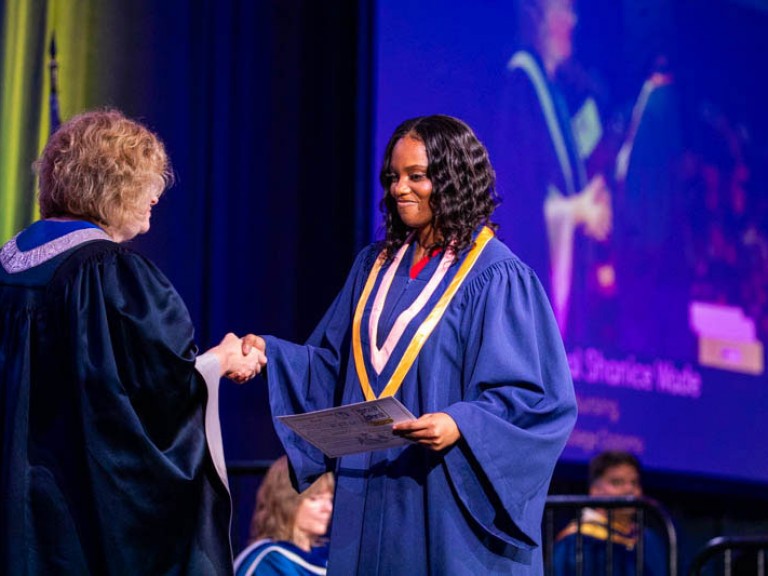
{"type": "Point", "coordinates": [666, 319]}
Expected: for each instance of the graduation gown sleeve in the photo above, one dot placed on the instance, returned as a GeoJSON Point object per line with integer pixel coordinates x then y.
{"type": "Point", "coordinates": [308, 377]}
{"type": "Point", "coordinates": [143, 412]}
{"type": "Point", "coordinates": [106, 431]}
{"type": "Point", "coordinates": [518, 408]}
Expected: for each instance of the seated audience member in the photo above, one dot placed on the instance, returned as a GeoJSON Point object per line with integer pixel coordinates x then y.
{"type": "Point", "coordinates": [611, 474]}
{"type": "Point", "coordinates": [288, 528]}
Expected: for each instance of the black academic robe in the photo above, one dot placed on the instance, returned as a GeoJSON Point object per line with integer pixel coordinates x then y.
{"type": "Point", "coordinates": [105, 467]}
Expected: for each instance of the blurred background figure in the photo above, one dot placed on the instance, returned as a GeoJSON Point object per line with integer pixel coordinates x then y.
{"type": "Point", "coordinates": [287, 528]}
{"type": "Point", "coordinates": [650, 209]}
{"type": "Point", "coordinates": [728, 220]}
{"type": "Point", "coordinates": [611, 474]}
{"type": "Point", "coordinates": [552, 214]}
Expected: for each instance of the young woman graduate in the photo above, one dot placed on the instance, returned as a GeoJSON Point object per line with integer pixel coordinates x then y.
{"type": "Point", "coordinates": [444, 317]}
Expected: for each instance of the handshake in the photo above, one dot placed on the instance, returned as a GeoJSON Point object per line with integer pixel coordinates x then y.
{"type": "Point", "coordinates": [241, 359]}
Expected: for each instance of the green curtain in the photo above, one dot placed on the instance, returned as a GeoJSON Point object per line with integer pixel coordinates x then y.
{"type": "Point", "coordinates": [25, 35]}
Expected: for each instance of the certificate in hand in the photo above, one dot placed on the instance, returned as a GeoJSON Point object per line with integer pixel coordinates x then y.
{"type": "Point", "coordinates": [353, 428]}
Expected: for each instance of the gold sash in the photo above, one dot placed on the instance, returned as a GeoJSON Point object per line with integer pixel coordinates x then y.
{"type": "Point", "coordinates": [423, 332]}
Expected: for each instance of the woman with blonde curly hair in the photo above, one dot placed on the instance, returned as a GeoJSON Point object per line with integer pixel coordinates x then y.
{"type": "Point", "coordinates": [111, 448]}
{"type": "Point", "coordinates": [288, 528]}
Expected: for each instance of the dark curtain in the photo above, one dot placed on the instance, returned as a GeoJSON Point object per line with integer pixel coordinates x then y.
{"type": "Point", "coordinates": [263, 106]}
{"type": "Point", "coordinates": [257, 104]}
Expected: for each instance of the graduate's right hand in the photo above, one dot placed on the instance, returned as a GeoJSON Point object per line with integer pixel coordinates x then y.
{"type": "Point", "coordinates": [235, 363]}
{"type": "Point", "coordinates": [436, 431]}
{"type": "Point", "coordinates": [252, 341]}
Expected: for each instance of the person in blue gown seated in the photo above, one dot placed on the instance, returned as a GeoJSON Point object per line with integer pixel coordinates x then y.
{"type": "Point", "coordinates": [288, 529]}
{"type": "Point", "coordinates": [441, 315]}
{"type": "Point", "coordinates": [111, 445]}
{"type": "Point", "coordinates": [612, 474]}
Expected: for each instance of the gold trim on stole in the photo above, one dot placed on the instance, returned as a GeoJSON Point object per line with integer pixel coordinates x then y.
{"type": "Point", "coordinates": [423, 332]}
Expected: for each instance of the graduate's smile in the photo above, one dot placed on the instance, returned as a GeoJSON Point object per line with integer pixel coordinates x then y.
{"type": "Point", "coordinates": [410, 185]}
{"type": "Point", "coordinates": [405, 204]}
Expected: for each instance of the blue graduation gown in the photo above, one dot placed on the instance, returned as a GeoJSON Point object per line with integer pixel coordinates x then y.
{"type": "Point", "coordinates": [594, 549]}
{"type": "Point", "coordinates": [105, 467]}
{"type": "Point", "coordinates": [280, 558]}
{"type": "Point", "coordinates": [495, 363]}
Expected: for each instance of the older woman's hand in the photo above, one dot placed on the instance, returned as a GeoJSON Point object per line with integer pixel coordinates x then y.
{"type": "Point", "coordinates": [436, 431]}
{"type": "Point", "coordinates": [236, 364]}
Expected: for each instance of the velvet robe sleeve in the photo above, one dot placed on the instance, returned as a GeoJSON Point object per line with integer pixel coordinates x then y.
{"type": "Point", "coordinates": [117, 474]}
{"type": "Point", "coordinates": [308, 377]}
{"type": "Point", "coordinates": [518, 405]}
{"type": "Point", "coordinates": [137, 336]}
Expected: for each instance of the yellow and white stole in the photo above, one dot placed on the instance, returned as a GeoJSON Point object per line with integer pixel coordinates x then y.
{"type": "Point", "coordinates": [379, 357]}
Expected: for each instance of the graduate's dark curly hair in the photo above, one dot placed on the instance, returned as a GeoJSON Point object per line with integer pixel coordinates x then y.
{"type": "Point", "coordinates": [463, 182]}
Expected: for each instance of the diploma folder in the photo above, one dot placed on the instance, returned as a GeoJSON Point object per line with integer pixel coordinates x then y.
{"type": "Point", "coordinates": [351, 429]}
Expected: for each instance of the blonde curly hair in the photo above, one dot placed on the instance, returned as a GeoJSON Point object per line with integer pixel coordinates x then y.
{"type": "Point", "coordinates": [277, 502]}
{"type": "Point", "coordinates": [97, 167]}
